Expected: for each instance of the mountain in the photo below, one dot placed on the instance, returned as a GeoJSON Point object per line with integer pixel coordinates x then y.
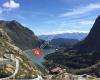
{"type": "Point", "coordinates": [74, 35]}
{"type": "Point", "coordinates": [92, 42]}
{"type": "Point", "coordinates": [62, 42]}
{"type": "Point", "coordinates": [21, 36]}
{"type": "Point", "coordinates": [83, 58]}
{"type": "Point", "coordinates": [27, 70]}
{"type": "Point", "coordinates": [14, 62]}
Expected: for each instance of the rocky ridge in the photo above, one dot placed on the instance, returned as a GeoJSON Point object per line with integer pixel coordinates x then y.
{"type": "Point", "coordinates": [27, 69]}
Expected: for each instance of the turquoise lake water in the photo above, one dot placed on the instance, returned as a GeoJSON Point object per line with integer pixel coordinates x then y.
{"type": "Point", "coordinates": [40, 60]}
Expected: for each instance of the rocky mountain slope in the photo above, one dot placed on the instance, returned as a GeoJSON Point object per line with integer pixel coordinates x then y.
{"type": "Point", "coordinates": [26, 69]}
{"type": "Point", "coordinates": [92, 42]}
{"type": "Point", "coordinates": [21, 36]}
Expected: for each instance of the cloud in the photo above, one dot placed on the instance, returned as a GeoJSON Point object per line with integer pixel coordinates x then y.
{"type": "Point", "coordinates": [11, 5]}
{"type": "Point", "coordinates": [86, 22]}
{"type": "Point", "coordinates": [81, 10]}
{"type": "Point", "coordinates": [8, 6]}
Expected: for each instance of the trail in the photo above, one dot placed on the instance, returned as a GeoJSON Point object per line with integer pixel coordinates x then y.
{"type": "Point", "coordinates": [38, 78]}
{"type": "Point", "coordinates": [16, 71]}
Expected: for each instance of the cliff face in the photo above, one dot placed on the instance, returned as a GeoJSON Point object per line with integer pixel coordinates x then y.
{"type": "Point", "coordinates": [20, 35]}
{"type": "Point", "coordinates": [26, 69]}
{"type": "Point", "coordinates": [92, 42]}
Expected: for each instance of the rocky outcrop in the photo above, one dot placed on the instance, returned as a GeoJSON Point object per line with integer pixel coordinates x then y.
{"type": "Point", "coordinates": [4, 35]}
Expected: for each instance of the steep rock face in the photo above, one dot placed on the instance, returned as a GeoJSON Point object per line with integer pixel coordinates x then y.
{"type": "Point", "coordinates": [20, 35]}
{"type": "Point", "coordinates": [92, 42]}
{"type": "Point", "coordinates": [26, 69]}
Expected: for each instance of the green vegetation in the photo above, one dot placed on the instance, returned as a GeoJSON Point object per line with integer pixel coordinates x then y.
{"type": "Point", "coordinates": [75, 63]}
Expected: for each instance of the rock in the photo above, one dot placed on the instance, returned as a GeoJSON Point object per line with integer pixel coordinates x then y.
{"type": "Point", "coordinates": [4, 35]}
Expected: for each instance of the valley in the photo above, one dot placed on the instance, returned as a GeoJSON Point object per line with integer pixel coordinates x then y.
{"type": "Point", "coordinates": [74, 59]}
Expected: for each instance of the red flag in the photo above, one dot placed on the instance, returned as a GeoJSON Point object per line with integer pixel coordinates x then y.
{"type": "Point", "coordinates": [37, 52]}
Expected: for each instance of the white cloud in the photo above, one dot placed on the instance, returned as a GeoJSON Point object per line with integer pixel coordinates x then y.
{"type": "Point", "coordinates": [11, 4]}
{"type": "Point", "coordinates": [86, 22]}
{"type": "Point", "coordinates": [82, 10]}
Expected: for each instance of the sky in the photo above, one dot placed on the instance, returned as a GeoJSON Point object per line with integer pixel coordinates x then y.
{"type": "Point", "coordinates": [52, 16]}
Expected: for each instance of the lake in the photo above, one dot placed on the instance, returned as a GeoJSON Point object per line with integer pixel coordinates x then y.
{"type": "Point", "coordinates": [40, 60]}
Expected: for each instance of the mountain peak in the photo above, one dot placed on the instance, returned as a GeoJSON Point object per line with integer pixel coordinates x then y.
{"type": "Point", "coordinates": [92, 42]}
{"type": "Point", "coordinates": [21, 36]}
{"type": "Point", "coordinates": [98, 17]}
{"type": "Point", "coordinates": [14, 21]}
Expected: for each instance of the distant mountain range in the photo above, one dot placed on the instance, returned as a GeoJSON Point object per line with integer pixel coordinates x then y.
{"type": "Point", "coordinates": [21, 36]}
{"type": "Point", "coordinates": [62, 42]}
{"type": "Point", "coordinates": [74, 35]}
